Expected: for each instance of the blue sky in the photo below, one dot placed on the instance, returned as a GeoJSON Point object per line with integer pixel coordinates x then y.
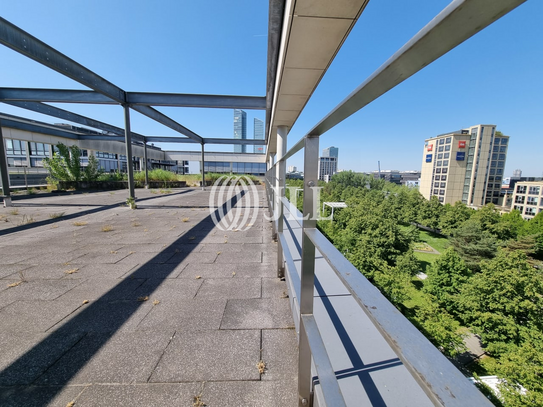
{"type": "Point", "coordinates": [219, 47]}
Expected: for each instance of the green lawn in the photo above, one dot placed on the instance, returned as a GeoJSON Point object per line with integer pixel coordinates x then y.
{"type": "Point", "coordinates": [426, 259]}
{"type": "Point", "coordinates": [437, 242]}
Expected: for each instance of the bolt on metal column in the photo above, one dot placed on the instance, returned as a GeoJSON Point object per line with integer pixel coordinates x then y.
{"type": "Point", "coordinates": [307, 283]}
{"type": "Point", "coordinates": [128, 141]}
{"type": "Point", "coordinates": [4, 171]}
{"type": "Point", "coordinates": [145, 164]}
{"type": "Point", "coordinates": [282, 132]}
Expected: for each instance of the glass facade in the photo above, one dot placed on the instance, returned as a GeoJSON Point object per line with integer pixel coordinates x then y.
{"type": "Point", "coordinates": [224, 167]}
{"type": "Point", "coordinates": [240, 129]}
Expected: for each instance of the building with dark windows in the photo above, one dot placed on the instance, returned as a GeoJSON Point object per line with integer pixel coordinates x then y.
{"type": "Point", "coordinates": [328, 163]}
{"type": "Point", "coordinates": [258, 131]}
{"type": "Point", "coordinates": [528, 198]}
{"type": "Point", "coordinates": [240, 129]}
{"type": "Point", "coordinates": [465, 165]}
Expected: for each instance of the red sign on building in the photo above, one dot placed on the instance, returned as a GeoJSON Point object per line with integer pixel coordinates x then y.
{"type": "Point", "coordinates": [430, 147]}
{"type": "Point", "coordinates": [461, 144]}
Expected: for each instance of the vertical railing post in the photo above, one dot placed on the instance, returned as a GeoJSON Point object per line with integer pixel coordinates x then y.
{"type": "Point", "coordinates": [282, 132]}
{"type": "Point", "coordinates": [128, 142]}
{"type": "Point", "coordinates": [307, 283]}
{"type": "Point", "coordinates": [203, 170]}
{"type": "Point", "coordinates": [145, 164]}
{"type": "Point", "coordinates": [4, 174]}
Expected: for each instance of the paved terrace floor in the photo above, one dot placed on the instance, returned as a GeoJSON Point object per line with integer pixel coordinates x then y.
{"type": "Point", "coordinates": [105, 306]}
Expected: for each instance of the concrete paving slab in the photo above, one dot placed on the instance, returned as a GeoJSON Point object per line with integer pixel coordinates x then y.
{"type": "Point", "coordinates": [15, 370]}
{"type": "Point", "coordinates": [110, 257]}
{"type": "Point", "coordinates": [99, 271]}
{"type": "Point", "coordinates": [184, 315]}
{"type": "Point", "coordinates": [36, 289]}
{"type": "Point", "coordinates": [139, 395]}
{"type": "Point", "coordinates": [126, 357]}
{"type": "Point", "coordinates": [210, 356]}
{"type": "Point", "coordinates": [106, 289]}
{"type": "Point", "coordinates": [168, 288]}
{"type": "Point", "coordinates": [230, 288]}
{"type": "Point", "coordinates": [49, 272]}
{"type": "Point", "coordinates": [153, 270]}
{"type": "Point", "coordinates": [146, 258]}
{"type": "Point", "coordinates": [35, 316]}
{"type": "Point", "coordinates": [241, 257]}
{"type": "Point", "coordinates": [197, 258]}
{"type": "Point", "coordinates": [7, 270]}
{"type": "Point", "coordinates": [39, 396]}
{"type": "Point", "coordinates": [265, 313]}
{"type": "Point", "coordinates": [280, 353]}
{"type": "Point", "coordinates": [274, 288]}
{"type": "Point", "coordinates": [251, 394]}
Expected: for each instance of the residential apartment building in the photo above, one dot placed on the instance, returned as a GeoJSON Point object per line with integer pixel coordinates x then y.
{"type": "Point", "coordinates": [528, 198]}
{"type": "Point", "coordinates": [240, 129]}
{"type": "Point", "coordinates": [328, 163]}
{"type": "Point", "coordinates": [465, 165]}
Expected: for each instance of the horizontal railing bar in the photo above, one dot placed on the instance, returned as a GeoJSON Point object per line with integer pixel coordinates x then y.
{"type": "Point", "coordinates": [291, 266]}
{"type": "Point", "coordinates": [440, 379]}
{"type": "Point", "coordinates": [460, 20]}
{"type": "Point", "coordinates": [294, 149]}
{"type": "Point", "coordinates": [325, 372]}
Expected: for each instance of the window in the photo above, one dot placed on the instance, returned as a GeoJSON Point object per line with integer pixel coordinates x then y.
{"type": "Point", "coordinates": [39, 149]}
{"type": "Point", "coordinates": [504, 141]}
{"type": "Point", "coordinates": [441, 192]}
{"type": "Point", "coordinates": [497, 186]}
{"type": "Point", "coordinates": [438, 170]}
{"type": "Point", "coordinates": [444, 170]}
{"type": "Point", "coordinates": [503, 149]}
{"type": "Point", "coordinates": [441, 141]}
{"type": "Point", "coordinates": [437, 177]}
{"type": "Point", "coordinates": [440, 199]}
{"type": "Point", "coordinates": [498, 178]}
{"type": "Point", "coordinates": [501, 164]}
{"type": "Point", "coordinates": [440, 156]}
{"type": "Point", "coordinates": [448, 147]}
{"type": "Point", "coordinates": [519, 199]}
{"type": "Point", "coordinates": [439, 163]}
{"type": "Point", "coordinates": [440, 149]}
{"type": "Point", "coordinates": [518, 208]}
{"type": "Point", "coordinates": [533, 190]}
{"type": "Point", "coordinates": [446, 155]}
{"type": "Point", "coordinates": [493, 164]}
{"type": "Point", "coordinates": [495, 156]}
{"type": "Point", "coordinates": [496, 193]}
{"type": "Point", "coordinates": [495, 149]}
{"type": "Point", "coordinates": [499, 171]}
{"type": "Point", "coordinates": [436, 191]}
{"type": "Point", "coordinates": [529, 211]}
{"type": "Point", "coordinates": [502, 157]}
{"type": "Point", "coordinates": [443, 178]}
{"type": "Point", "coordinates": [532, 200]}
{"type": "Point", "coordinates": [445, 163]}
{"type": "Point", "coordinates": [16, 147]}
{"type": "Point", "coordinates": [443, 185]}
{"type": "Point", "coordinates": [491, 178]}
{"type": "Point", "coordinates": [448, 140]}
{"type": "Point", "coordinates": [436, 184]}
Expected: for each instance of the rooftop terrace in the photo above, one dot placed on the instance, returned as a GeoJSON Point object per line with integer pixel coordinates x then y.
{"type": "Point", "coordinates": [161, 308]}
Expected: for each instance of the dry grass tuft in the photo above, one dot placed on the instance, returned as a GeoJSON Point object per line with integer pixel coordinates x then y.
{"type": "Point", "coordinates": [185, 219]}
{"type": "Point", "coordinates": [113, 252]}
{"type": "Point", "coordinates": [85, 301]}
{"type": "Point", "coordinates": [15, 284]}
{"type": "Point", "coordinates": [141, 299]}
{"type": "Point", "coordinates": [56, 215]}
{"type": "Point", "coordinates": [80, 223]}
{"type": "Point", "coordinates": [233, 273]}
{"type": "Point", "coordinates": [72, 271]}
{"type": "Point", "coordinates": [107, 228]}
{"type": "Point", "coordinates": [192, 237]}
{"type": "Point", "coordinates": [198, 277]}
{"type": "Point", "coordinates": [136, 224]}
{"type": "Point", "coordinates": [156, 302]}
{"type": "Point", "coordinates": [218, 253]}
{"type": "Point", "coordinates": [14, 212]}
{"type": "Point", "coordinates": [261, 367]}
{"type": "Point", "coordinates": [70, 404]}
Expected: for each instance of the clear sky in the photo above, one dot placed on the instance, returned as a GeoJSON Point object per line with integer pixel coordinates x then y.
{"type": "Point", "coordinates": [219, 47]}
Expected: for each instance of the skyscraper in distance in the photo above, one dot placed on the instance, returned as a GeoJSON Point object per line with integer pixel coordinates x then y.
{"type": "Point", "coordinates": [240, 129]}
{"type": "Point", "coordinates": [328, 163]}
{"type": "Point", "coordinates": [330, 152]}
{"type": "Point", "coordinates": [258, 131]}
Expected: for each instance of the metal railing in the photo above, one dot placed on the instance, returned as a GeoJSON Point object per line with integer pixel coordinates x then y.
{"type": "Point", "coordinates": [441, 381]}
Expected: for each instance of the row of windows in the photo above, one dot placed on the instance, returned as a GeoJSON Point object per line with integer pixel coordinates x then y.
{"type": "Point", "coordinates": [445, 140]}
{"type": "Point", "coordinates": [502, 141]}
{"type": "Point", "coordinates": [440, 184]}
{"type": "Point", "coordinates": [443, 155]}
{"type": "Point", "coordinates": [441, 170]}
{"type": "Point", "coordinates": [444, 148]}
{"type": "Point", "coordinates": [440, 177]}
{"type": "Point", "coordinates": [494, 178]}
{"type": "Point", "coordinates": [499, 164]}
{"type": "Point", "coordinates": [496, 171]}
{"type": "Point", "coordinates": [501, 149]}
{"type": "Point", "coordinates": [15, 147]}
{"type": "Point", "coordinates": [528, 210]}
{"type": "Point", "coordinates": [439, 192]}
{"type": "Point", "coordinates": [445, 163]}
{"type": "Point", "coordinates": [235, 168]}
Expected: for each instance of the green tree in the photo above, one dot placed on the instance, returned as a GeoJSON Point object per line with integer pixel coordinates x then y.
{"type": "Point", "coordinates": [487, 217]}
{"type": "Point", "coordinates": [504, 301]}
{"type": "Point", "coordinates": [65, 165]}
{"type": "Point", "coordinates": [446, 279]}
{"type": "Point", "coordinates": [509, 225]}
{"type": "Point", "coordinates": [473, 243]}
{"type": "Point", "coordinates": [430, 213]}
{"type": "Point", "coordinates": [453, 217]}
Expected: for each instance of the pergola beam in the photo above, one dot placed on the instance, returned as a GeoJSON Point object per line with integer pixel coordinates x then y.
{"type": "Point", "coordinates": [19, 40]}
{"type": "Point", "coordinates": [72, 117]}
{"type": "Point", "coordinates": [193, 100]}
{"type": "Point", "coordinates": [54, 96]}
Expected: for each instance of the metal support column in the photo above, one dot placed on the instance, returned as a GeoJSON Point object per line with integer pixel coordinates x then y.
{"type": "Point", "coordinates": [145, 164]}
{"type": "Point", "coordinates": [311, 160]}
{"type": "Point", "coordinates": [282, 132]}
{"type": "Point", "coordinates": [128, 141]}
{"type": "Point", "coordinates": [4, 174]}
{"type": "Point", "coordinates": [203, 170]}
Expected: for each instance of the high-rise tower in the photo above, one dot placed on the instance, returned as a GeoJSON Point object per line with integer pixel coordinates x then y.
{"type": "Point", "coordinates": [240, 129]}
{"type": "Point", "coordinates": [258, 131]}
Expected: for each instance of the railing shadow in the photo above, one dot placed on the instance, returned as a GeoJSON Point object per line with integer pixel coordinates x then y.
{"type": "Point", "coordinates": [35, 362]}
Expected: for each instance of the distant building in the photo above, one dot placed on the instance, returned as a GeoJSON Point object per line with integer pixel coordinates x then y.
{"type": "Point", "coordinates": [528, 198]}
{"type": "Point", "coordinates": [465, 165]}
{"type": "Point", "coordinates": [398, 177]}
{"type": "Point", "coordinates": [258, 131]}
{"type": "Point", "coordinates": [328, 163]}
{"type": "Point", "coordinates": [517, 173]}
{"type": "Point", "coordinates": [240, 129]}
{"type": "Point", "coordinates": [292, 168]}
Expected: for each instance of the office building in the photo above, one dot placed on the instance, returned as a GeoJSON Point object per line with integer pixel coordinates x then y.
{"type": "Point", "coordinates": [465, 165]}
{"type": "Point", "coordinates": [292, 168]}
{"type": "Point", "coordinates": [240, 129]}
{"type": "Point", "coordinates": [528, 198]}
{"type": "Point", "coordinates": [258, 131]}
{"type": "Point", "coordinates": [328, 163]}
